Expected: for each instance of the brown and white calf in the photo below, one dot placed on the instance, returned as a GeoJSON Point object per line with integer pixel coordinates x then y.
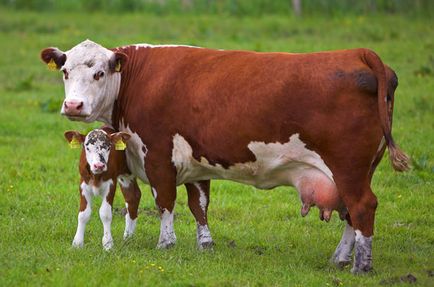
{"type": "Point", "coordinates": [101, 167]}
{"type": "Point", "coordinates": [319, 122]}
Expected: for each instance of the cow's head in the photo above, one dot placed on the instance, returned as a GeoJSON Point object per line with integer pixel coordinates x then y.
{"type": "Point", "coordinates": [91, 74]}
{"type": "Point", "coordinates": [97, 145]}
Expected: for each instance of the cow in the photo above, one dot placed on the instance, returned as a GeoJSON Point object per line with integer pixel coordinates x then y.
{"type": "Point", "coordinates": [101, 166]}
{"type": "Point", "coordinates": [317, 121]}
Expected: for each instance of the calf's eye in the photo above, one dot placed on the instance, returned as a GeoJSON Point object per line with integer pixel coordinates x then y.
{"type": "Point", "coordinates": [98, 75]}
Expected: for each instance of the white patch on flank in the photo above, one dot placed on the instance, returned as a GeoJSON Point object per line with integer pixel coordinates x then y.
{"type": "Point", "coordinates": [276, 164]}
{"type": "Point", "coordinates": [154, 193]}
{"type": "Point", "coordinates": [83, 216]}
{"type": "Point", "coordinates": [125, 180]}
{"type": "Point", "coordinates": [130, 224]}
{"type": "Point", "coordinates": [203, 236]}
{"type": "Point", "coordinates": [136, 153]}
{"type": "Point", "coordinates": [167, 233]}
{"type": "Point", "coordinates": [144, 45]}
{"type": "Point", "coordinates": [202, 198]}
{"type": "Point", "coordinates": [82, 62]}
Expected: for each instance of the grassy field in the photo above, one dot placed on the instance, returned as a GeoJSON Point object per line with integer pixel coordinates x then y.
{"type": "Point", "coordinates": [261, 240]}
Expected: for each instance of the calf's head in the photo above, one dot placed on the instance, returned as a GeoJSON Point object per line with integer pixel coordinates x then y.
{"type": "Point", "coordinates": [97, 145]}
{"type": "Point", "coordinates": [91, 75]}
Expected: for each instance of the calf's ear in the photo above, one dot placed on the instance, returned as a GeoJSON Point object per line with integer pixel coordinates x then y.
{"type": "Point", "coordinates": [53, 57]}
{"type": "Point", "coordinates": [71, 135]}
{"type": "Point", "coordinates": [117, 62]}
{"type": "Point", "coordinates": [120, 136]}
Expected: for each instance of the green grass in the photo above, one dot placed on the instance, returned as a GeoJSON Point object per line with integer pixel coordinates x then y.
{"type": "Point", "coordinates": [261, 238]}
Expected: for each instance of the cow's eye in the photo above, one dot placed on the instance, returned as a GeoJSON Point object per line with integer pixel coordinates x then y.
{"type": "Point", "coordinates": [65, 73]}
{"type": "Point", "coordinates": [98, 75]}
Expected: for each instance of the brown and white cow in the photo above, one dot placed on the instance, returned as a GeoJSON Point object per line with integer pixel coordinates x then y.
{"type": "Point", "coordinates": [320, 122]}
{"type": "Point", "coordinates": [101, 167]}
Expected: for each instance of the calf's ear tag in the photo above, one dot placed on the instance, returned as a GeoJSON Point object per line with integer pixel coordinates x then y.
{"type": "Point", "coordinates": [118, 66]}
{"type": "Point", "coordinates": [120, 145]}
{"type": "Point", "coordinates": [74, 143]}
{"type": "Point", "coordinates": [52, 66]}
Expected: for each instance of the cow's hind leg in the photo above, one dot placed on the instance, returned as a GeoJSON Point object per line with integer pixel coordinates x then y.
{"type": "Point", "coordinates": [344, 250]}
{"type": "Point", "coordinates": [361, 204]}
{"type": "Point", "coordinates": [198, 201]}
{"type": "Point", "coordinates": [132, 194]}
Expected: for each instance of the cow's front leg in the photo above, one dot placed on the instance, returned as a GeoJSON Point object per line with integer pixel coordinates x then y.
{"type": "Point", "coordinates": [83, 215]}
{"type": "Point", "coordinates": [132, 194]}
{"type": "Point", "coordinates": [198, 201]}
{"type": "Point", "coordinates": [105, 213]}
{"type": "Point", "coordinates": [162, 177]}
{"type": "Point", "coordinates": [343, 253]}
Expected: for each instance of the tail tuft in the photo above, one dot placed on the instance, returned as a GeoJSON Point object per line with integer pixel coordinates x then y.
{"type": "Point", "coordinates": [400, 161]}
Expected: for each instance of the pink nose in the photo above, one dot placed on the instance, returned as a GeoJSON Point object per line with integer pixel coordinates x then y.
{"type": "Point", "coordinates": [73, 108]}
{"type": "Point", "coordinates": [98, 166]}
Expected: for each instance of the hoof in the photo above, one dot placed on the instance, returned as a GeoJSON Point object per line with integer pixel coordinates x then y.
{"type": "Point", "coordinates": [107, 244]}
{"type": "Point", "coordinates": [165, 245]}
{"type": "Point", "coordinates": [361, 270]}
{"type": "Point", "coordinates": [206, 245]}
{"type": "Point", "coordinates": [77, 244]}
{"type": "Point", "coordinates": [342, 264]}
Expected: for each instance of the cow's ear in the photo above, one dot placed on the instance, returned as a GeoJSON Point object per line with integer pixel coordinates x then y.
{"type": "Point", "coordinates": [74, 136]}
{"type": "Point", "coordinates": [53, 56]}
{"type": "Point", "coordinates": [117, 61]}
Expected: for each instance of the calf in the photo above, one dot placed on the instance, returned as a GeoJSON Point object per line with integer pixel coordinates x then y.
{"type": "Point", "coordinates": [101, 165]}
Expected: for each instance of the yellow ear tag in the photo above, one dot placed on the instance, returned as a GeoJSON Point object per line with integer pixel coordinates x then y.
{"type": "Point", "coordinates": [120, 145]}
{"type": "Point", "coordinates": [74, 143]}
{"type": "Point", "coordinates": [52, 66]}
{"type": "Point", "coordinates": [118, 66]}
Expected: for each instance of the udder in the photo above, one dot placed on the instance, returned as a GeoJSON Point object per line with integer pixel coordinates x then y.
{"type": "Point", "coordinates": [318, 190]}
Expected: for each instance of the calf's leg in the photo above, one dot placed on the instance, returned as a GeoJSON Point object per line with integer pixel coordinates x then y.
{"type": "Point", "coordinates": [83, 216]}
{"type": "Point", "coordinates": [132, 194]}
{"type": "Point", "coordinates": [105, 213]}
{"type": "Point", "coordinates": [198, 201]}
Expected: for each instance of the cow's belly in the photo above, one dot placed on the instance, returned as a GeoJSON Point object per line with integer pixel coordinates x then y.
{"type": "Point", "coordinates": [276, 164]}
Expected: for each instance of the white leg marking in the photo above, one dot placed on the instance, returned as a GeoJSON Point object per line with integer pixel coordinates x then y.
{"type": "Point", "coordinates": [130, 224]}
{"type": "Point", "coordinates": [202, 198]}
{"type": "Point", "coordinates": [167, 233]}
{"type": "Point", "coordinates": [204, 239]}
{"type": "Point", "coordinates": [83, 218]}
{"type": "Point", "coordinates": [362, 253]}
{"type": "Point", "coordinates": [342, 255]}
{"type": "Point", "coordinates": [105, 213]}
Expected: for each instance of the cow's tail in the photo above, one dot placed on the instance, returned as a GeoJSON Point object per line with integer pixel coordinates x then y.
{"type": "Point", "coordinates": [400, 161]}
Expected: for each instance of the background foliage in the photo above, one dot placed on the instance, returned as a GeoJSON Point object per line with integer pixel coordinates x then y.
{"type": "Point", "coordinates": [230, 7]}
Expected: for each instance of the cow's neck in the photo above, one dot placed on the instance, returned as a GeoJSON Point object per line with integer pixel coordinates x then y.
{"type": "Point", "coordinates": [134, 66]}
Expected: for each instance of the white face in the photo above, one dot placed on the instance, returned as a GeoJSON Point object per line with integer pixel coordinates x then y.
{"type": "Point", "coordinates": [90, 87]}
{"type": "Point", "coordinates": [97, 147]}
